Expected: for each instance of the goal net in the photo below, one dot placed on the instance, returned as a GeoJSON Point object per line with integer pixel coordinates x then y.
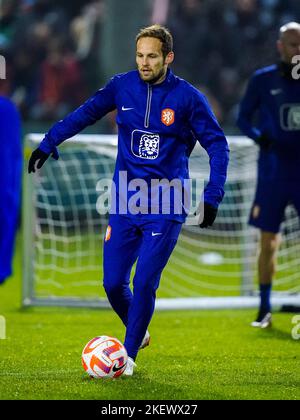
{"type": "Point", "coordinates": [63, 234]}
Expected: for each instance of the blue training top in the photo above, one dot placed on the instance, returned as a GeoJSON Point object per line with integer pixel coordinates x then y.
{"type": "Point", "coordinates": [158, 126]}
{"type": "Point", "coordinates": [11, 155]}
{"type": "Point", "coordinates": [275, 100]}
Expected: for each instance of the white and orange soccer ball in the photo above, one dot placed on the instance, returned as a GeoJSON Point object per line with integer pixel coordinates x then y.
{"type": "Point", "coordinates": [104, 357]}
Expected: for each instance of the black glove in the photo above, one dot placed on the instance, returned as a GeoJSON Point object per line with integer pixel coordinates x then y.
{"type": "Point", "coordinates": [210, 213]}
{"type": "Point", "coordinates": [37, 156]}
{"type": "Point", "coordinates": [264, 142]}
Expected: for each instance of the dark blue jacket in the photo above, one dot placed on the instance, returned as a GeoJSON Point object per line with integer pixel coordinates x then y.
{"type": "Point", "coordinates": [271, 106]}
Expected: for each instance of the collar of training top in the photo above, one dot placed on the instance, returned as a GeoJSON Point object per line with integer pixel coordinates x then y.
{"type": "Point", "coordinates": [168, 81]}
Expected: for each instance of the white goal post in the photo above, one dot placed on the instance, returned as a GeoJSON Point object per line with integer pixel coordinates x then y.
{"type": "Point", "coordinates": [210, 268]}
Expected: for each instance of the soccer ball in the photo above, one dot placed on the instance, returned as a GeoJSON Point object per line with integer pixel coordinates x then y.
{"type": "Point", "coordinates": [104, 357]}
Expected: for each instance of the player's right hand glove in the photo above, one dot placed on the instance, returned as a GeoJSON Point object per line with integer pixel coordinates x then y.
{"type": "Point", "coordinates": [37, 156]}
{"type": "Point", "coordinates": [264, 142]}
{"type": "Point", "coordinates": [210, 214]}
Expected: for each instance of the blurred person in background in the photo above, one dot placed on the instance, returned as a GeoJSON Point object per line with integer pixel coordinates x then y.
{"type": "Point", "coordinates": [10, 182]}
{"type": "Point", "coordinates": [85, 34]}
{"type": "Point", "coordinates": [8, 22]}
{"type": "Point", "coordinates": [274, 94]}
{"type": "Point", "coordinates": [61, 85]}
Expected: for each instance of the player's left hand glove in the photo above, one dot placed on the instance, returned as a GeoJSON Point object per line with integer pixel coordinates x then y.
{"type": "Point", "coordinates": [37, 156]}
{"type": "Point", "coordinates": [210, 214]}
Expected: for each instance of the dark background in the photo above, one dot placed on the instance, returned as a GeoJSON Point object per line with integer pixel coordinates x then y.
{"type": "Point", "coordinates": [58, 52]}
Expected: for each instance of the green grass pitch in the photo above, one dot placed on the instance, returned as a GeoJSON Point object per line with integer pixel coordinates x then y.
{"type": "Point", "coordinates": [193, 354]}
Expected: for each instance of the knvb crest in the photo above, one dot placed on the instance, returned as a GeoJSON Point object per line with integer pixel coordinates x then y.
{"type": "Point", "coordinates": [145, 145]}
{"type": "Point", "coordinates": [168, 116]}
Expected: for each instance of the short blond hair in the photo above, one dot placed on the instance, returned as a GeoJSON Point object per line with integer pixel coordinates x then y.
{"type": "Point", "coordinates": [159, 32]}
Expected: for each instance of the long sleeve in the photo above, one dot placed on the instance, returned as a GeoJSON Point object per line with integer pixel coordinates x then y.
{"type": "Point", "coordinates": [212, 139]}
{"type": "Point", "coordinates": [10, 182]}
{"type": "Point", "coordinates": [11, 152]}
{"type": "Point", "coordinates": [248, 107]}
{"type": "Point", "coordinates": [91, 111]}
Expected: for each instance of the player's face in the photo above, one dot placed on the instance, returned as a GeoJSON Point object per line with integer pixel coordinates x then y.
{"type": "Point", "coordinates": [151, 63]}
{"type": "Point", "coordinates": [289, 45]}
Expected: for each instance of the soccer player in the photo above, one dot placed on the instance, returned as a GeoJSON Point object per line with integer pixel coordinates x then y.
{"type": "Point", "coordinates": [160, 117]}
{"type": "Point", "coordinates": [274, 94]}
{"type": "Point", "coordinates": [10, 182]}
